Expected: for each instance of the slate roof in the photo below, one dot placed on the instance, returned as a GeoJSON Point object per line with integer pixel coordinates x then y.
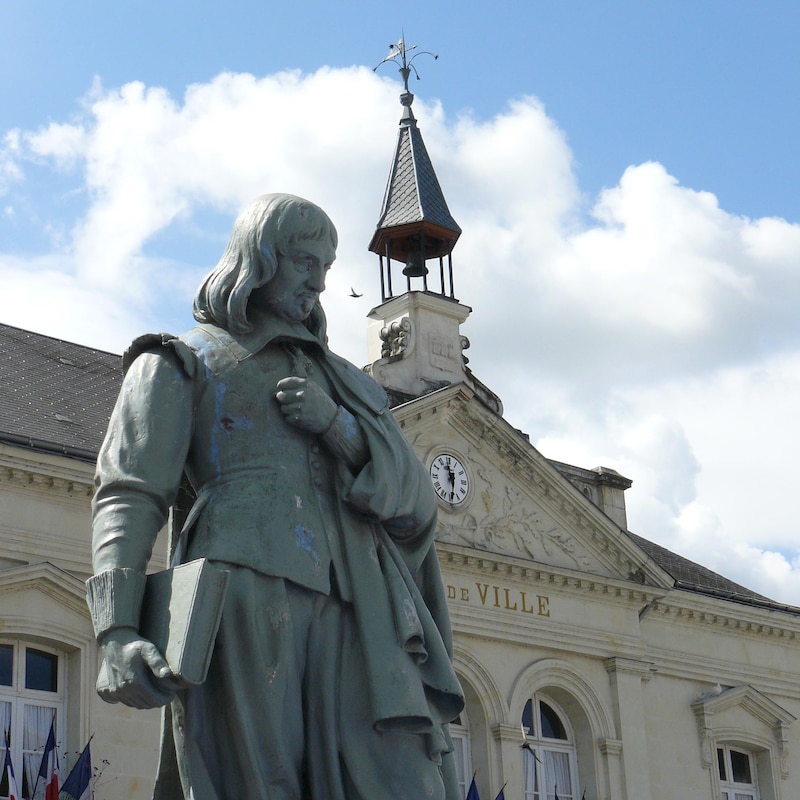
{"type": "Point", "coordinates": [695, 577]}
{"type": "Point", "coordinates": [58, 396]}
{"type": "Point", "coordinates": [412, 192]}
{"type": "Point", "coordinates": [55, 395]}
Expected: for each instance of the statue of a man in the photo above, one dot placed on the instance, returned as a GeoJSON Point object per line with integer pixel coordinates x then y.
{"type": "Point", "coordinates": [331, 676]}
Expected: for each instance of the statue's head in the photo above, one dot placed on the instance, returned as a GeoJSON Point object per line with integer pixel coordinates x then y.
{"type": "Point", "coordinates": [276, 259]}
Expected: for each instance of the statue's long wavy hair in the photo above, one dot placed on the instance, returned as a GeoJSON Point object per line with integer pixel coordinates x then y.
{"type": "Point", "coordinates": [268, 226]}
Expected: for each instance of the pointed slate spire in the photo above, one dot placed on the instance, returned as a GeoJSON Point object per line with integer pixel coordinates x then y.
{"type": "Point", "coordinates": [415, 224]}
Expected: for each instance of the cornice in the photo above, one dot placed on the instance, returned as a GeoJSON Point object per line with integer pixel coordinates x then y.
{"type": "Point", "coordinates": [562, 635]}
{"type": "Point", "coordinates": [545, 636]}
{"type": "Point", "coordinates": [742, 619]}
{"type": "Point", "coordinates": [704, 670]}
{"type": "Point", "coordinates": [483, 563]}
{"type": "Point", "coordinates": [634, 666]}
{"type": "Point", "coordinates": [54, 463]}
{"type": "Point", "coordinates": [395, 307]}
{"type": "Point", "coordinates": [74, 555]}
{"type": "Point", "coordinates": [27, 475]}
{"type": "Point", "coordinates": [442, 401]}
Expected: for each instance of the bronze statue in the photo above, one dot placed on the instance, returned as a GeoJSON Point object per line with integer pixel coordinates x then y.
{"type": "Point", "coordinates": [331, 675]}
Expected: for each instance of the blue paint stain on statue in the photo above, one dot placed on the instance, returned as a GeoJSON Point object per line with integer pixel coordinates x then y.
{"type": "Point", "coordinates": [310, 496]}
{"type": "Point", "coordinates": [305, 540]}
{"type": "Point", "coordinates": [219, 396]}
{"type": "Point", "coordinates": [236, 424]}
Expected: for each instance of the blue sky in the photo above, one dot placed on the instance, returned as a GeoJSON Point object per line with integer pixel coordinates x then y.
{"type": "Point", "coordinates": [708, 88]}
{"type": "Point", "coordinates": [625, 174]}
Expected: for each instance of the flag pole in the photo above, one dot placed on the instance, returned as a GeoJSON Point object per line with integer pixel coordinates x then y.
{"type": "Point", "coordinates": [8, 768]}
{"type": "Point", "coordinates": [45, 753]}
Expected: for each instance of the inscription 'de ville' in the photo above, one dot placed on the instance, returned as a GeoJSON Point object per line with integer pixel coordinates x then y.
{"type": "Point", "coordinates": [487, 594]}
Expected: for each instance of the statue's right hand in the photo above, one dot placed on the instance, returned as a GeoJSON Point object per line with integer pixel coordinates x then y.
{"type": "Point", "coordinates": [134, 672]}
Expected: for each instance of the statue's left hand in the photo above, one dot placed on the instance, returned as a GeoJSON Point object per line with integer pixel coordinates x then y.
{"type": "Point", "coordinates": [134, 672]}
{"type": "Point", "coordinates": [305, 404]}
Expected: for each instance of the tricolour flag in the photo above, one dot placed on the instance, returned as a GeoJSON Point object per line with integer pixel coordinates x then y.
{"type": "Point", "coordinates": [472, 794]}
{"type": "Point", "coordinates": [13, 792]}
{"type": "Point", "coordinates": [48, 771]}
{"type": "Point", "coordinates": [501, 795]}
{"type": "Point", "coordinates": [78, 784]}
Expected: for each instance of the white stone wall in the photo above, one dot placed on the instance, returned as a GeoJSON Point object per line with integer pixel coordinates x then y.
{"type": "Point", "coordinates": [45, 556]}
{"type": "Point", "coordinates": [630, 697]}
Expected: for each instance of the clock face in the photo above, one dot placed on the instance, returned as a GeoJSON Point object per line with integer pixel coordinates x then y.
{"type": "Point", "coordinates": [450, 479]}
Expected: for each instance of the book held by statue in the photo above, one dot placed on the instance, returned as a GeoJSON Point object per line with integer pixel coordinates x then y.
{"type": "Point", "coordinates": [180, 615]}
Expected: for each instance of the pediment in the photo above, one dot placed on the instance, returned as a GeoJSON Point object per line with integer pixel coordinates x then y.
{"type": "Point", "coordinates": [728, 706]}
{"type": "Point", "coordinates": [742, 713]}
{"type": "Point", "coordinates": [518, 503]}
{"type": "Point", "coordinates": [36, 593]}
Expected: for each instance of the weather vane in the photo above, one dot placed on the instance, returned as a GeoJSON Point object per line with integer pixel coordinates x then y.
{"type": "Point", "coordinates": [400, 51]}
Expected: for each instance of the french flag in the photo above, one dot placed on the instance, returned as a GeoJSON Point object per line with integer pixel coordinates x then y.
{"type": "Point", "coordinates": [13, 792]}
{"type": "Point", "coordinates": [78, 784]}
{"type": "Point", "coordinates": [48, 771]}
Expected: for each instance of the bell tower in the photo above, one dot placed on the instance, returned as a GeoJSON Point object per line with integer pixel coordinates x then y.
{"type": "Point", "coordinates": [415, 344]}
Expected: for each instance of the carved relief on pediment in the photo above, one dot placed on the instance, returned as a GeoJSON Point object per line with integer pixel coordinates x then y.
{"type": "Point", "coordinates": [503, 520]}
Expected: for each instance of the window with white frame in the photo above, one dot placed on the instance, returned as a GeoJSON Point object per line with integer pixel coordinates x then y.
{"type": "Point", "coordinates": [737, 774]}
{"type": "Point", "coordinates": [31, 699]}
{"type": "Point", "coordinates": [459, 733]}
{"type": "Point", "coordinates": [549, 751]}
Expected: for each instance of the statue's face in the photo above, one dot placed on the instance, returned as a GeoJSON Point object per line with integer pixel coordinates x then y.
{"type": "Point", "coordinates": [299, 281]}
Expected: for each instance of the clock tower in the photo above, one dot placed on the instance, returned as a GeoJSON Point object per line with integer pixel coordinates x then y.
{"type": "Point", "coordinates": [415, 342]}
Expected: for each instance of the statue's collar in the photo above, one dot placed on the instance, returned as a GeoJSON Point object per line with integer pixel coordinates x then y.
{"type": "Point", "coordinates": [266, 328]}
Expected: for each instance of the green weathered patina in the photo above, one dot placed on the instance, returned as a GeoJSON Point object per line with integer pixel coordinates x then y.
{"type": "Point", "coordinates": [331, 677]}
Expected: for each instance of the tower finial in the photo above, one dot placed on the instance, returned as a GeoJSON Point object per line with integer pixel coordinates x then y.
{"type": "Point", "coordinates": [415, 224]}
{"type": "Point", "coordinates": [399, 54]}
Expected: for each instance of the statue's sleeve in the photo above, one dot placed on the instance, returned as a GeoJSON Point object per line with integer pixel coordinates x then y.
{"type": "Point", "coordinates": [394, 487]}
{"type": "Point", "coordinates": [141, 461]}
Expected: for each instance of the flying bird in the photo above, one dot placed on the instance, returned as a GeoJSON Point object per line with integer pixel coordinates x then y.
{"type": "Point", "coordinates": [354, 293]}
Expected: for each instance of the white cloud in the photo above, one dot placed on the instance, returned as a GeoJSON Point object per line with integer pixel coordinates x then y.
{"type": "Point", "coordinates": [39, 293]}
{"type": "Point", "coordinates": [658, 335]}
{"type": "Point", "coordinates": [713, 464]}
{"type": "Point", "coordinates": [64, 143]}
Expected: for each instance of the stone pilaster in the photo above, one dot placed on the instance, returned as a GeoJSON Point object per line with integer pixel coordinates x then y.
{"type": "Point", "coordinates": [509, 739]}
{"type": "Point", "coordinates": [611, 750]}
{"type": "Point", "coordinates": [627, 676]}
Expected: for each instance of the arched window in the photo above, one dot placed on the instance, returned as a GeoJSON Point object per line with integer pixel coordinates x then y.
{"type": "Point", "coordinates": [459, 733]}
{"type": "Point", "coordinates": [31, 698]}
{"type": "Point", "coordinates": [737, 774]}
{"type": "Point", "coordinates": [549, 754]}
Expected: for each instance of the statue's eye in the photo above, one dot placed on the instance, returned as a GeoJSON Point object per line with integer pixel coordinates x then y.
{"type": "Point", "coordinates": [304, 263]}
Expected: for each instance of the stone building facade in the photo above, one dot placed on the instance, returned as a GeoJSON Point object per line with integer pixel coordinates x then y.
{"type": "Point", "coordinates": [634, 674]}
